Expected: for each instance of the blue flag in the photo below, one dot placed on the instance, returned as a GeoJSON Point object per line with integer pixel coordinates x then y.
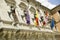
{"type": "Point", "coordinates": [52, 23]}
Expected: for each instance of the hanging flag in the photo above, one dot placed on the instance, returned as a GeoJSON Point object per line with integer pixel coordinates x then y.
{"type": "Point", "coordinates": [44, 23]}
{"type": "Point", "coordinates": [42, 15]}
{"type": "Point", "coordinates": [46, 16]}
{"type": "Point", "coordinates": [46, 13]}
{"type": "Point", "coordinates": [52, 23]}
{"type": "Point", "coordinates": [27, 16]}
{"type": "Point", "coordinates": [36, 15]}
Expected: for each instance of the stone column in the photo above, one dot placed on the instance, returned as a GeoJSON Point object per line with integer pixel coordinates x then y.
{"type": "Point", "coordinates": [14, 35]}
{"type": "Point", "coordinates": [9, 34]}
{"type": "Point", "coordinates": [4, 33]}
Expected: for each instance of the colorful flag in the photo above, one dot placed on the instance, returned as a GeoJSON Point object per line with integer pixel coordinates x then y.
{"type": "Point", "coordinates": [46, 13]}
{"type": "Point", "coordinates": [46, 17]}
{"type": "Point", "coordinates": [52, 23]}
{"type": "Point", "coordinates": [36, 15]}
{"type": "Point", "coordinates": [27, 16]}
{"type": "Point", "coordinates": [44, 23]}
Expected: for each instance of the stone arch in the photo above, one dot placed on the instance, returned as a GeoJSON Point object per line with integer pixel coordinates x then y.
{"type": "Point", "coordinates": [10, 2]}
{"type": "Point", "coordinates": [22, 5]}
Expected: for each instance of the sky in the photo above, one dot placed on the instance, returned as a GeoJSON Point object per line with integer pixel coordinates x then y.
{"type": "Point", "coordinates": [49, 3]}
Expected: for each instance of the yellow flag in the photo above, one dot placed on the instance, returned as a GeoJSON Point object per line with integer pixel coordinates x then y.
{"type": "Point", "coordinates": [36, 23]}
{"type": "Point", "coordinates": [37, 15]}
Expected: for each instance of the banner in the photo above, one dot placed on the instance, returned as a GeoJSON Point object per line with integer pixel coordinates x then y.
{"type": "Point", "coordinates": [36, 15]}
{"type": "Point", "coordinates": [27, 16]}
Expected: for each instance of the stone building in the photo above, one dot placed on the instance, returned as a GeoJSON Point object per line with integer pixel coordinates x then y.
{"type": "Point", "coordinates": [14, 27]}
{"type": "Point", "coordinates": [56, 14]}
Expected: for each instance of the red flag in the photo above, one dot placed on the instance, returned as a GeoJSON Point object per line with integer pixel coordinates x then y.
{"type": "Point", "coordinates": [36, 18]}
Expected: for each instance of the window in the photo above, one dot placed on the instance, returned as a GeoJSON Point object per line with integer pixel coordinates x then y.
{"type": "Point", "coordinates": [59, 11]}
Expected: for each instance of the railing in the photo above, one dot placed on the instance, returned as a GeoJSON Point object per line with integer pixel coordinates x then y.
{"type": "Point", "coordinates": [16, 33]}
{"type": "Point", "coordinates": [25, 34]}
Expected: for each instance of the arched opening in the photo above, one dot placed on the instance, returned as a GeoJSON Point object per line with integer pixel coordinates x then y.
{"type": "Point", "coordinates": [32, 9]}
{"type": "Point", "coordinates": [10, 2]}
{"type": "Point", "coordinates": [23, 6]}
